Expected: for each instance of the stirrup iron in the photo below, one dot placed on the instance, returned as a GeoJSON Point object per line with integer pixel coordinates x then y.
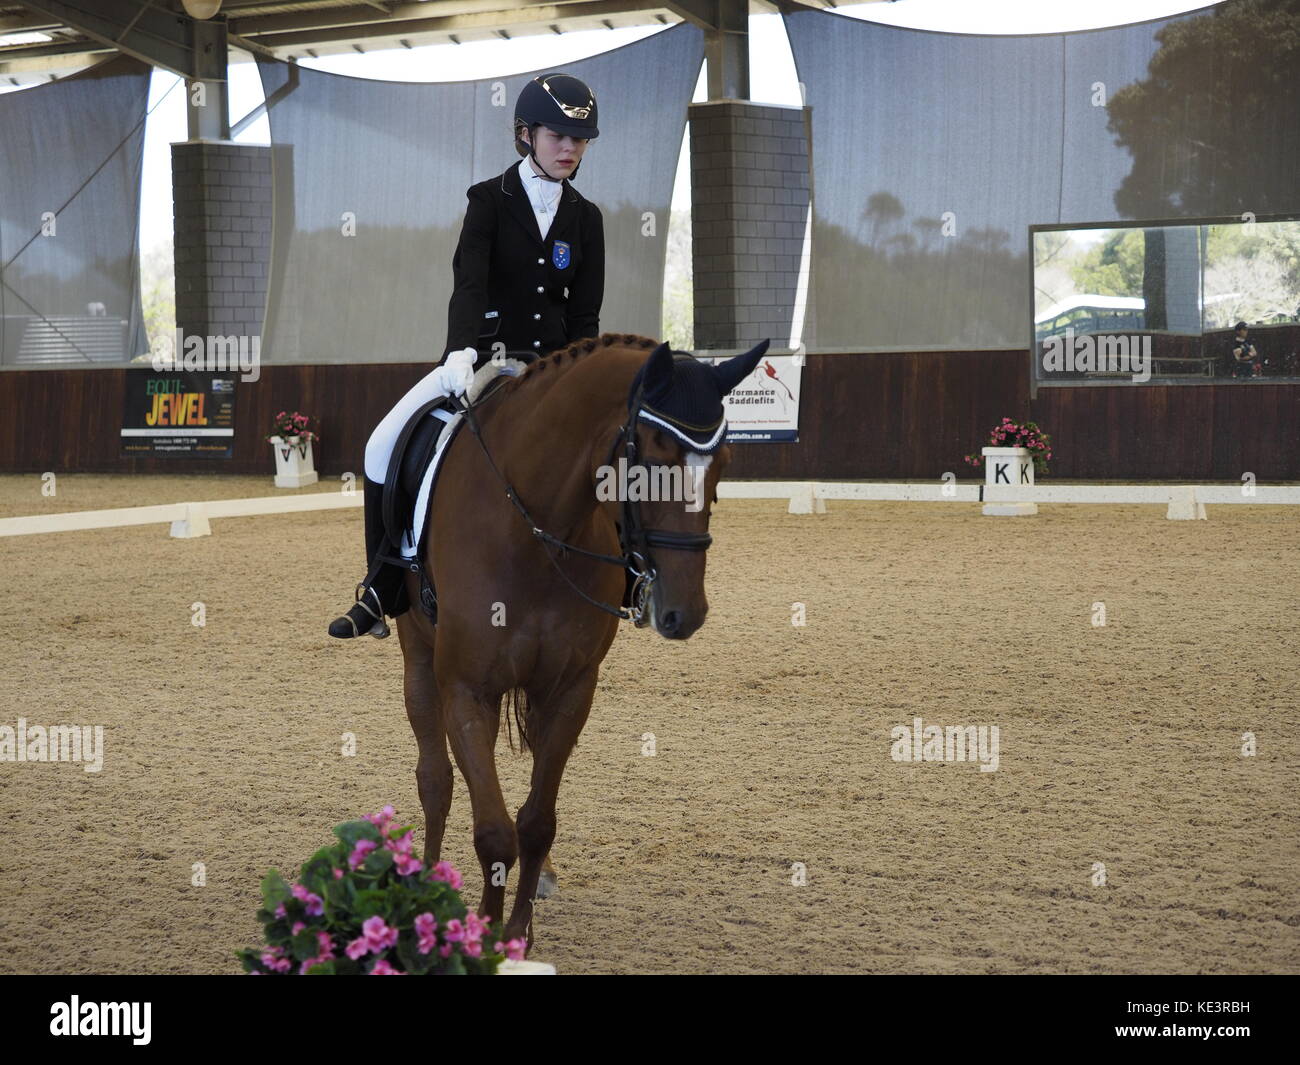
{"type": "Point", "coordinates": [379, 630]}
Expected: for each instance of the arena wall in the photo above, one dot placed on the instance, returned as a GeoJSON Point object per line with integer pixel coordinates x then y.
{"type": "Point", "coordinates": [910, 415]}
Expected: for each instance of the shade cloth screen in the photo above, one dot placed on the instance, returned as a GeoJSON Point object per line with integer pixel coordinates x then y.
{"type": "Point", "coordinates": [72, 149]}
{"type": "Point", "coordinates": [399, 157]}
{"type": "Point", "coordinates": [932, 154]}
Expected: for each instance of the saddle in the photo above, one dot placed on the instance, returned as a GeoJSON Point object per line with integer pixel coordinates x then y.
{"type": "Point", "coordinates": [433, 426]}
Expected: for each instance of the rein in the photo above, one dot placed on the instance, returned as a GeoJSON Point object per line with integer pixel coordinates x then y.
{"type": "Point", "coordinates": [635, 539]}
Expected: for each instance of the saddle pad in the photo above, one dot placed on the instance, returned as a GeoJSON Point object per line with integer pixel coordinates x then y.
{"type": "Point", "coordinates": [482, 379]}
{"type": "Point", "coordinates": [411, 538]}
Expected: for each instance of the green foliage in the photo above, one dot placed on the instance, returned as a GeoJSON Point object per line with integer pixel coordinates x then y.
{"type": "Point", "coordinates": [344, 897]}
{"type": "Point", "coordinates": [1113, 267]}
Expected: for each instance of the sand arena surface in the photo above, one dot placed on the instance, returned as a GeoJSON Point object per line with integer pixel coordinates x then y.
{"type": "Point", "coordinates": [1119, 745]}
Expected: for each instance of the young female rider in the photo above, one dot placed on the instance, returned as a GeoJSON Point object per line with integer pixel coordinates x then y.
{"type": "Point", "coordinates": [529, 276]}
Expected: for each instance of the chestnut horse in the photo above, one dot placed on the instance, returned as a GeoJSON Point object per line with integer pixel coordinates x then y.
{"type": "Point", "coordinates": [530, 566]}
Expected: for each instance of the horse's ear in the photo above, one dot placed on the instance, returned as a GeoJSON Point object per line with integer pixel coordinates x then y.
{"type": "Point", "coordinates": [733, 371]}
{"type": "Point", "coordinates": [658, 370]}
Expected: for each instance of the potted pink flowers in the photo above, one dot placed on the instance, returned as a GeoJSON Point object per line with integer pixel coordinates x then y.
{"type": "Point", "coordinates": [1027, 440]}
{"type": "Point", "coordinates": [1016, 451]}
{"type": "Point", "coordinates": [295, 466]}
{"type": "Point", "coordinates": [367, 906]}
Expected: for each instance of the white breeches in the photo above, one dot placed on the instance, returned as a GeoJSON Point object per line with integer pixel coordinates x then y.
{"type": "Point", "coordinates": [379, 448]}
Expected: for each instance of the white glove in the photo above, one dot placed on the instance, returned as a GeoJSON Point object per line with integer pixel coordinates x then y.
{"type": "Point", "coordinates": [459, 371]}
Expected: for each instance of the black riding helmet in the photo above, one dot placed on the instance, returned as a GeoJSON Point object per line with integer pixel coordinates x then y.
{"type": "Point", "coordinates": [559, 102]}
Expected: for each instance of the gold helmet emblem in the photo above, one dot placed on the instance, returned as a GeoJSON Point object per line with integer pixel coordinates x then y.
{"type": "Point", "coordinates": [570, 110]}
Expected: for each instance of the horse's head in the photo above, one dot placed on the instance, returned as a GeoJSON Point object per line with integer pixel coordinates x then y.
{"type": "Point", "coordinates": [672, 482]}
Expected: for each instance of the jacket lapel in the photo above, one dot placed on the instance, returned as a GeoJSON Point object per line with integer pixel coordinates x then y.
{"type": "Point", "coordinates": [521, 207]}
{"type": "Point", "coordinates": [518, 204]}
{"type": "Point", "coordinates": [565, 212]}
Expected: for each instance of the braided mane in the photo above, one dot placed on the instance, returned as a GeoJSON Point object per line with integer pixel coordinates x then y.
{"type": "Point", "coordinates": [570, 354]}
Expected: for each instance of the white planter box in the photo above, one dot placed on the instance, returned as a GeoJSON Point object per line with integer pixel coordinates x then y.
{"type": "Point", "coordinates": [294, 465]}
{"type": "Point", "coordinates": [1008, 467]}
{"type": "Point", "coordinates": [525, 968]}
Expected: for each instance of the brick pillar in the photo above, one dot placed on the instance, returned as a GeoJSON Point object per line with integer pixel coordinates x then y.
{"type": "Point", "coordinates": [749, 204]}
{"type": "Point", "coordinates": [222, 216]}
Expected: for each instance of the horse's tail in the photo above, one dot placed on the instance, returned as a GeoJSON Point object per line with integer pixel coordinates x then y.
{"type": "Point", "coordinates": [518, 707]}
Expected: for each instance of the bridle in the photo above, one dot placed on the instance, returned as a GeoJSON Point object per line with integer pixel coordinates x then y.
{"type": "Point", "coordinates": [635, 538]}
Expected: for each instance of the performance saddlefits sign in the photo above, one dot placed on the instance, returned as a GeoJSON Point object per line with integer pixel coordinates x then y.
{"type": "Point", "coordinates": [764, 407]}
{"type": "Point", "coordinates": [190, 415]}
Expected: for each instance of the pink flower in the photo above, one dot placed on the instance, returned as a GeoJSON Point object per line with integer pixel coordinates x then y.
{"type": "Point", "coordinates": [406, 864]}
{"type": "Point", "coordinates": [475, 926]}
{"type": "Point", "coordinates": [382, 968]}
{"type": "Point", "coordinates": [426, 927]}
{"type": "Point", "coordinates": [298, 926]}
{"type": "Point", "coordinates": [514, 950]}
{"type": "Point", "coordinates": [272, 960]}
{"type": "Point", "coordinates": [359, 852]}
{"type": "Point", "coordinates": [382, 819]}
{"type": "Point", "coordinates": [445, 871]}
{"type": "Point", "coordinates": [378, 935]}
{"type": "Point", "coordinates": [399, 844]}
{"type": "Point", "coordinates": [338, 874]}
{"type": "Point", "coordinates": [454, 932]}
{"type": "Point", "coordinates": [279, 911]}
{"type": "Point", "coordinates": [315, 905]}
{"type": "Point", "coordinates": [444, 951]}
{"type": "Point", "coordinates": [358, 948]}
{"type": "Point", "coordinates": [326, 953]}
{"type": "Point", "coordinates": [473, 950]}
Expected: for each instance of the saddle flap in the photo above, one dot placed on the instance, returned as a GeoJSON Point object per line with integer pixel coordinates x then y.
{"type": "Point", "coordinates": [418, 444]}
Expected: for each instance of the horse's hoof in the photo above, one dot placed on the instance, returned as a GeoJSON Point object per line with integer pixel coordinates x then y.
{"type": "Point", "coordinates": [547, 885]}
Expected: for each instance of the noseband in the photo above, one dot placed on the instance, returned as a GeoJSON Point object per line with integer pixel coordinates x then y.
{"type": "Point", "coordinates": [635, 538]}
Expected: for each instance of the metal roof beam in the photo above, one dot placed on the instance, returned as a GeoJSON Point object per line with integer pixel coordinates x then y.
{"type": "Point", "coordinates": [27, 24]}
{"type": "Point", "coordinates": [495, 19]}
{"type": "Point", "coordinates": [53, 66]}
{"type": "Point", "coordinates": [192, 49]}
{"type": "Point", "coordinates": [13, 59]}
{"type": "Point", "coordinates": [396, 17]}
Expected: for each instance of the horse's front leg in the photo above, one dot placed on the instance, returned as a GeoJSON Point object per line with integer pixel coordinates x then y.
{"type": "Point", "coordinates": [472, 724]}
{"type": "Point", "coordinates": [424, 711]}
{"type": "Point", "coordinates": [556, 724]}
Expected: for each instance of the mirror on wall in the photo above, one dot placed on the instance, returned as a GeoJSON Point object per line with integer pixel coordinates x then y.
{"type": "Point", "coordinates": [1205, 300]}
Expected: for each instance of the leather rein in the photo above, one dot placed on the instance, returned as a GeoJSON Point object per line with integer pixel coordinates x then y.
{"type": "Point", "coordinates": [635, 538]}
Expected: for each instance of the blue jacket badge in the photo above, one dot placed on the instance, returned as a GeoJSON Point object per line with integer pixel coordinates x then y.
{"type": "Point", "coordinates": [560, 255]}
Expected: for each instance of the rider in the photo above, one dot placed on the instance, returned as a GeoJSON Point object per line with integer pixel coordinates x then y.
{"type": "Point", "coordinates": [529, 276]}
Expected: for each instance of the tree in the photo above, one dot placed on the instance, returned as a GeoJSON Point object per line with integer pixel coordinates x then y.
{"type": "Point", "coordinates": [1115, 267]}
{"type": "Point", "coordinates": [882, 211]}
{"type": "Point", "coordinates": [1215, 127]}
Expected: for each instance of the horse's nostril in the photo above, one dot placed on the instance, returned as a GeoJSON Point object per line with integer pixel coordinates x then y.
{"type": "Point", "coordinates": [670, 622]}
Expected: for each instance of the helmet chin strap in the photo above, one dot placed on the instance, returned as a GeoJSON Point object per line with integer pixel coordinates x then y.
{"type": "Point", "coordinates": [537, 163]}
{"type": "Point", "coordinates": [532, 154]}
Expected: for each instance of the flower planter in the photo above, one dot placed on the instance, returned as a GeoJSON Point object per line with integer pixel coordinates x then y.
{"type": "Point", "coordinates": [1008, 467]}
{"type": "Point", "coordinates": [294, 465]}
{"type": "Point", "coordinates": [525, 968]}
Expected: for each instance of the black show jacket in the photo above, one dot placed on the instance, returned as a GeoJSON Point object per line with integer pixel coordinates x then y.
{"type": "Point", "coordinates": [514, 288]}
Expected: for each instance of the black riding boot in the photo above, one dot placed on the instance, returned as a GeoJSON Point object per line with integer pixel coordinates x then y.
{"type": "Point", "coordinates": [378, 594]}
